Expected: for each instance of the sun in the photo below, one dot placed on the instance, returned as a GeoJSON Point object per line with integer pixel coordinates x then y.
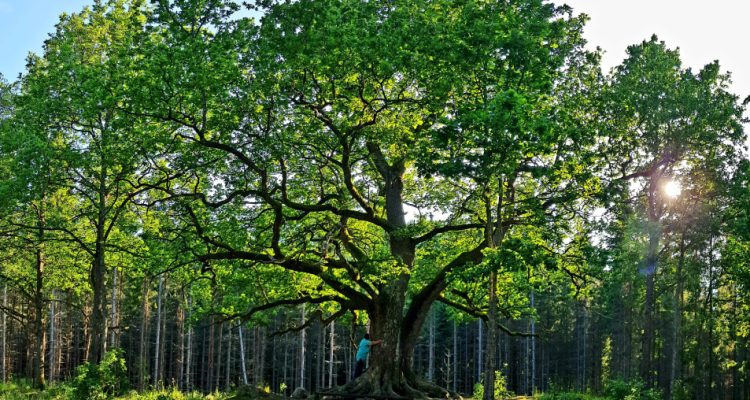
{"type": "Point", "coordinates": [672, 189]}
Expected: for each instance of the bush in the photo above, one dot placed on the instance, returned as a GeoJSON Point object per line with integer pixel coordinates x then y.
{"type": "Point", "coordinates": [174, 394]}
{"type": "Point", "coordinates": [100, 382]}
{"type": "Point", "coordinates": [568, 396]}
{"type": "Point", "coordinates": [681, 391]}
{"type": "Point", "coordinates": [632, 390]}
{"type": "Point", "coordinates": [501, 390]}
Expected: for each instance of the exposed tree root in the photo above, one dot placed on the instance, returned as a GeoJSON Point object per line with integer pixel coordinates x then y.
{"type": "Point", "coordinates": [374, 384]}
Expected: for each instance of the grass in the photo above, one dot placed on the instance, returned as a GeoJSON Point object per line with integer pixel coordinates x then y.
{"type": "Point", "coordinates": [23, 390]}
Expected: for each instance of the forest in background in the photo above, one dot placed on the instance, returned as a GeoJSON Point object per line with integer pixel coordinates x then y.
{"type": "Point", "coordinates": [221, 201]}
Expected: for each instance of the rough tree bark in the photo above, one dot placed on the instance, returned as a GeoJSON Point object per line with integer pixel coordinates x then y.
{"type": "Point", "coordinates": [97, 277]}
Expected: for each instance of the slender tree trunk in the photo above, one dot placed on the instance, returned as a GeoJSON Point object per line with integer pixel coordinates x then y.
{"type": "Point", "coordinates": [181, 342]}
{"type": "Point", "coordinates": [479, 349]}
{"type": "Point", "coordinates": [431, 350]}
{"type": "Point", "coordinates": [467, 369]}
{"type": "Point", "coordinates": [489, 375]}
{"type": "Point", "coordinates": [113, 311]}
{"type": "Point", "coordinates": [220, 343]}
{"type": "Point", "coordinates": [320, 356]}
{"type": "Point", "coordinates": [157, 347]}
{"type": "Point", "coordinates": [275, 370]}
{"type": "Point", "coordinates": [286, 364]}
{"type": "Point", "coordinates": [584, 373]}
{"type": "Point", "coordinates": [301, 382]}
{"type": "Point", "coordinates": [38, 367]}
{"type": "Point", "coordinates": [263, 339]}
{"type": "Point", "coordinates": [228, 368]}
{"type": "Point", "coordinates": [189, 356]}
{"type": "Point", "coordinates": [654, 235]}
{"type": "Point", "coordinates": [350, 352]}
{"type": "Point", "coordinates": [677, 321]}
{"type": "Point", "coordinates": [5, 334]}
{"type": "Point", "coordinates": [332, 347]}
{"type": "Point", "coordinates": [242, 355]}
{"type": "Point", "coordinates": [256, 356]}
{"type": "Point", "coordinates": [710, 310]}
{"type": "Point", "coordinates": [143, 362]}
{"type": "Point", "coordinates": [210, 367]}
{"type": "Point", "coordinates": [455, 356]}
{"type": "Point", "coordinates": [52, 339]}
{"type": "Point", "coordinates": [533, 347]}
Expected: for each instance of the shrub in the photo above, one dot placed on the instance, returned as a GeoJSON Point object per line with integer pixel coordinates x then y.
{"type": "Point", "coordinates": [630, 390]}
{"type": "Point", "coordinates": [99, 382]}
{"type": "Point", "coordinates": [568, 396]}
{"type": "Point", "coordinates": [501, 390]}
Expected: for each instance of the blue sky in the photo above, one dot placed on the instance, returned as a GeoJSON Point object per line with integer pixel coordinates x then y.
{"type": "Point", "coordinates": [703, 30]}
{"type": "Point", "coordinates": [24, 25]}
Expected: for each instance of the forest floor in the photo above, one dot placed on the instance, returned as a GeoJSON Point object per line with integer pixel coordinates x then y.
{"type": "Point", "coordinates": [22, 390]}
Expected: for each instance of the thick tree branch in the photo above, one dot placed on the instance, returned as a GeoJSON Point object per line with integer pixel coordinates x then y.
{"type": "Point", "coordinates": [444, 229]}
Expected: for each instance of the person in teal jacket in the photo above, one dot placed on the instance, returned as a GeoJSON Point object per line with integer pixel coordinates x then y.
{"type": "Point", "coordinates": [363, 350]}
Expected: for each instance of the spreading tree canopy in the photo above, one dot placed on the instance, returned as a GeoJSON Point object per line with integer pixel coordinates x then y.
{"type": "Point", "coordinates": [339, 143]}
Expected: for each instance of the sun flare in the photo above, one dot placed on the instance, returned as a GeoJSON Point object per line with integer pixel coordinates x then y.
{"type": "Point", "coordinates": [672, 189]}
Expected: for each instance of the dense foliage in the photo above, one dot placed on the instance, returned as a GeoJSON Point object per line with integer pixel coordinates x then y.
{"type": "Point", "coordinates": [192, 197]}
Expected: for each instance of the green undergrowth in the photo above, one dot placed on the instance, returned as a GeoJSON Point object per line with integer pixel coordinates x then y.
{"type": "Point", "coordinates": [613, 390]}
{"type": "Point", "coordinates": [569, 396]}
{"type": "Point", "coordinates": [22, 390]}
